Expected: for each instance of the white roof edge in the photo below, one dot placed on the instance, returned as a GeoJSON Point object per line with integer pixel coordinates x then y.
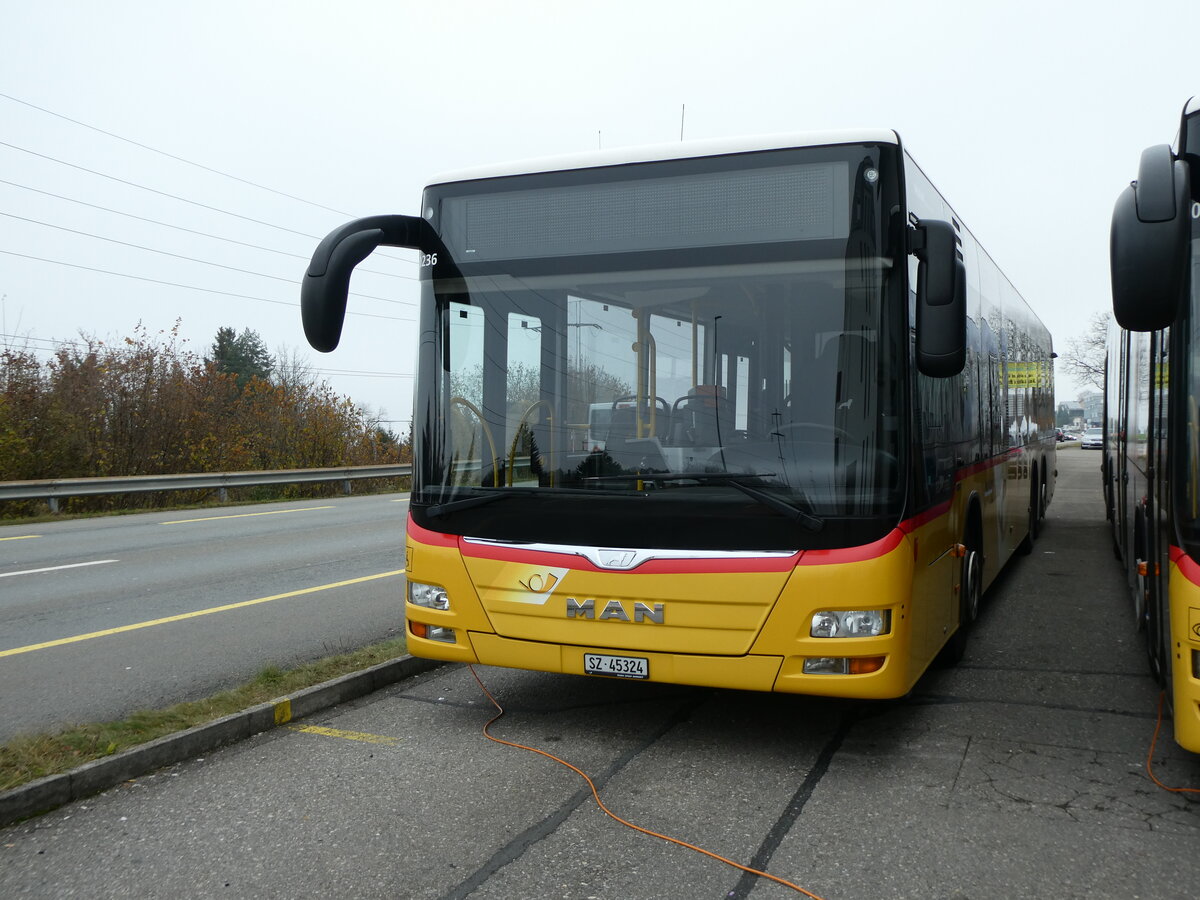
{"type": "Point", "coordinates": [1193, 106]}
{"type": "Point", "coordinates": [657, 152]}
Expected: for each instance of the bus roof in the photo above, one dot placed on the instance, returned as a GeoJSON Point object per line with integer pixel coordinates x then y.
{"type": "Point", "coordinates": [680, 150]}
{"type": "Point", "coordinates": [1193, 105]}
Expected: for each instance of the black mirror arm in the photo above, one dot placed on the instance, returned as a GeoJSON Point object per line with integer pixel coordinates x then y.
{"type": "Point", "coordinates": [326, 283]}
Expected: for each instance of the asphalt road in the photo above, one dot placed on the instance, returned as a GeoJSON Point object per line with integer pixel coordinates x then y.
{"type": "Point", "coordinates": [1017, 774]}
{"type": "Point", "coordinates": [75, 598]}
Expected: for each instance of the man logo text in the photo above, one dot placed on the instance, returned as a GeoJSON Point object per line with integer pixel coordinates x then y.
{"type": "Point", "coordinates": [586, 609]}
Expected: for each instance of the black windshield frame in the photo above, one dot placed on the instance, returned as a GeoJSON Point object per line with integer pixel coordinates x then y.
{"type": "Point", "coordinates": [1184, 413]}
{"type": "Point", "coordinates": [700, 517]}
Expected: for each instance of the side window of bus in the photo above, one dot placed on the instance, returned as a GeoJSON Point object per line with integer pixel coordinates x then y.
{"type": "Point", "coordinates": [473, 449]}
{"type": "Point", "coordinates": [525, 411]}
{"type": "Point", "coordinates": [939, 420]}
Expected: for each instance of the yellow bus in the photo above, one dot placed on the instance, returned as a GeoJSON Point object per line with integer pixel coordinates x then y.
{"type": "Point", "coordinates": [1151, 464]}
{"type": "Point", "coordinates": [830, 414]}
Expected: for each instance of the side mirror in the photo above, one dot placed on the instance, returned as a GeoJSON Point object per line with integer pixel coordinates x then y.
{"type": "Point", "coordinates": [1148, 246]}
{"type": "Point", "coordinates": [941, 300]}
{"type": "Point", "coordinates": [327, 281]}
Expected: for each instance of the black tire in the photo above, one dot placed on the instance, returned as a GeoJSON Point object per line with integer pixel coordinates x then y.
{"type": "Point", "coordinates": [1026, 546]}
{"type": "Point", "coordinates": [1158, 634]}
{"type": "Point", "coordinates": [970, 596]}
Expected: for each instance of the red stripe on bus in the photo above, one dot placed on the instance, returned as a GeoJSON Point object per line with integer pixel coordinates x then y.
{"type": "Point", "coordinates": [862, 553]}
{"type": "Point", "coordinates": [433, 538]}
{"type": "Point", "coordinates": [835, 556]}
{"type": "Point", "coordinates": [697, 566]}
{"type": "Point", "coordinates": [1187, 566]}
{"type": "Point", "coordinates": [908, 526]}
{"type": "Point", "coordinates": [976, 468]}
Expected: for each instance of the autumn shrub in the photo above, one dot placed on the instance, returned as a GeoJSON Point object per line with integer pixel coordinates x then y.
{"type": "Point", "coordinates": [147, 405]}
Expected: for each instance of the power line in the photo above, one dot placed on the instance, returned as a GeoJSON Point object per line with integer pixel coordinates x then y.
{"type": "Point", "coordinates": [191, 287]}
{"type": "Point", "coordinates": [155, 190]}
{"type": "Point", "coordinates": [178, 159]}
{"type": "Point", "coordinates": [204, 262]}
{"type": "Point", "coordinates": [189, 162]}
{"type": "Point", "coordinates": [31, 338]}
{"type": "Point", "coordinates": [206, 234]}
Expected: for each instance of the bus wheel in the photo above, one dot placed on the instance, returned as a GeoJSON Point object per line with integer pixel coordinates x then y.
{"type": "Point", "coordinates": [1141, 585]}
{"type": "Point", "coordinates": [1158, 629]}
{"type": "Point", "coordinates": [970, 596]}
{"type": "Point", "coordinates": [1037, 505]}
{"type": "Point", "coordinates": [972, 588]}
{"type": "Point", "coordinates": [1026, 545]}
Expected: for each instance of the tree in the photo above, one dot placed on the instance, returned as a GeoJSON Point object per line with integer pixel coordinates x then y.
{"type": "Point", "coordinates": [1085, 354]}
{"type": "Point", "coordinates": [244, 355]}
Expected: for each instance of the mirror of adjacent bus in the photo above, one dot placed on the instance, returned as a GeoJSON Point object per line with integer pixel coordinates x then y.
{"type": "Point", "coordinates": [941, 300]}
{"type": "Point", "coordinates": [327, 281]}
{"type": "Point", "coordinates": [1149, 243]}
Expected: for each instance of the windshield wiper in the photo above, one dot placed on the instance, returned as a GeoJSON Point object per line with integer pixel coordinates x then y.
{"type": "Point", "coordinates": [803, 518]}
{"type": "Point", "coordinates": [493, 494]}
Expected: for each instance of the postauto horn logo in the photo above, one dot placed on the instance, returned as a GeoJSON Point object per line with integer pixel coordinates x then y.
{"type": "Point", "coordinates": [538, 586]}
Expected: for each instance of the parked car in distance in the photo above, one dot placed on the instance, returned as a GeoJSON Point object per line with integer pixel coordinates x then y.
{"type": "Point", "coordinates": [1093, 439]}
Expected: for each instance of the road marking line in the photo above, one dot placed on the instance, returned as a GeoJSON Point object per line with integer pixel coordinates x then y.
{"type": "Point", "coordinates": [274, 512]}
{"type": "Point", "coordinates": [97, 562]}
{"type": "Point", "coordinates": [192, 615]}
{"type": "Point", "coordinates": [361, 736]}
{"type": "Point", "coordinates": [21, 537]}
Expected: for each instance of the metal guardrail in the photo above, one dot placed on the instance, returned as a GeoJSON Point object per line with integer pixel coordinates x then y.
{"type": "Point", "coordinates": [56, 489]}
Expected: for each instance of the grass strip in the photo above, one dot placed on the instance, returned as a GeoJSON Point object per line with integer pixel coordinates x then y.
{"type": "Point", "coordinates": [29, 757]}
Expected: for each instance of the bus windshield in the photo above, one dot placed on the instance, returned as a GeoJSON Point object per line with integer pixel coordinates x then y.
{"type": "Point", "coordinates": [716, 378]}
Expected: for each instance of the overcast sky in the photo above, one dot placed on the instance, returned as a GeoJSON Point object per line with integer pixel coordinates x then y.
{"type": "Point", "coordinates": [1029, 117]}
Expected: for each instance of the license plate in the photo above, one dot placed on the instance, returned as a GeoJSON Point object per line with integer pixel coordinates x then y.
{"type": "Point", "coordinates": [620, 666]}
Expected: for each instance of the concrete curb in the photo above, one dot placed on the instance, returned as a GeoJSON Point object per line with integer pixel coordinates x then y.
{"type": "Point", "coordinates": [55, 790]}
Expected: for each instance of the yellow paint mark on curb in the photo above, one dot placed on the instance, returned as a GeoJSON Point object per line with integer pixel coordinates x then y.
{"type": "Point", "coordinates": [283, 711]}
{"type": "Point", "coordinates": [21, 537]}
{"type": "Point", "coordinates": [193, 615]}
{"type": "Point", "coordinates": [274, 512]}
{"type": "Point", "coordinates": [361, 736]}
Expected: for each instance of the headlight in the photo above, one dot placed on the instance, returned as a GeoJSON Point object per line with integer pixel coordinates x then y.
{"type": "Point", "coordinates": [850, 623]}
{"type": "Point", "coordinates": [430, 596]}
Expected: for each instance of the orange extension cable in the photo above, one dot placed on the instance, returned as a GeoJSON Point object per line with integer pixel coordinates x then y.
{"type": "Point", "coordinates": [609, 812]}
{"type": "Point", "coordinates": [1150, 755]}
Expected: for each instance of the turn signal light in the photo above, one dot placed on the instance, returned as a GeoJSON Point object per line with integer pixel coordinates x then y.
{"type": "Point", "coordinates": [864, 665]}
{"type": "Point", "coordinates": [432, 632]}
